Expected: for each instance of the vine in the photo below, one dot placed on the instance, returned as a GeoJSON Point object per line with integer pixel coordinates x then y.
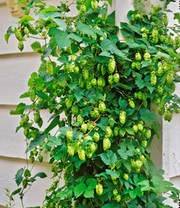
{"type": "Point", "coordinates": [99, 93]}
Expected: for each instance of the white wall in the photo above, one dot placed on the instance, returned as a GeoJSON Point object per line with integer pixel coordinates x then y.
{"type": "Point", "coordinates": [15, 69]}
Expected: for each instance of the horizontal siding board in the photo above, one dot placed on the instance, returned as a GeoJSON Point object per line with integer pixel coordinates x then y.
{"type": "Point", "coordinates": [15, 71]}
{"type": "Point", "coordinates": [12, 144]}
{"type": "Point", "coordinates": [36, 194]}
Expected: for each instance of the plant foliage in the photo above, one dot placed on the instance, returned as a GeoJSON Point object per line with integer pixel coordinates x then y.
{"type": "Point", "coordinates": [99, 93]}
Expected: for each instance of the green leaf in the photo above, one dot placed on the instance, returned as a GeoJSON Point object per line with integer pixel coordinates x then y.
{"type": "Point", "coordinates": [140, 83]}
{"type": "Point", "coordinates": [33, 77]}
{"type": "Point", "coordinates": [66, 193]}
{"type": "Point", "coordinates": [109, 46]}
{"type": "Point", "coordinates": [25, 18]}
{"type": "Point", "coordinates": [129, 130]}
{"type": "Point", "coordinates": [127, 165]}
{"type": "Point", "coordinates": [25, 95]}
{"type": "Point", "coordinates": [91, 182]}
{"type": "Point", "coordinates": [19, 109]}
{"type": "Point", "coordinates": [136, 192]}
{"type": "Point", "coordinates": [36, 46]}
{"type": "Point", "coordinates": [111, 18]}
{"type": "Point", "coordinates": [123, 152]}
{"type": "Point", "coordinates": [8, 34]}
{"type": "Point", "coordinates": [17, 191]}
{"type": "Point", "coordinates": [99, 32]}
{"type": "Point", "coordinates": [42, 95]}
{"type": "Point", "coordinates": [145, 186]}
{"type": "Point", "coordinates": [85, 29]}
{"type": "Point", "coordinates": [61, 37]}
{"type": "Point", "coordinates": [19, 176]}
{"type": "Point", "coordinates": [89, 193]}
{"type": "Point", "coordinates": [88, 4]}
{"type": "Point", "coordinates": [40, 175]}
{"type": "Point", "coordinates": [37, 141]}
{"type": "Point", "coordinates": [122, 132]}
{"type": "Point", "coordinates": [123, 86]}
{"type": "Point", "coordinates": [109, 158]}
{"type": "Point", "coordinates": [106, 54]}
{"type": "Point", "coordinates": [177, 16]}
{"type": "Point", "coordinates": [78, 95]}
{"type": "Point", "coordinates": [50, 10]}
{"type": "Point", "coordinates": [122, 103]}
{"type": "Point", "coordinates": [111, 173]}
{"type": "Point", "coordinates": [110, 205]}
{"type": "Point", "coordinates": [147, 115]}
{"type": "Point", "coordinates": [75, 37]}
{"type": "Point", "coordinates": [52, 125]}
{"type": "Point", "coordinates": [150, 205]}
{"type": "Point", "coordinates": [110, 2]}
{"type": "Point", "coordinates": [79, 189]}
{"type": "Point", "coordinates": [61, 23]}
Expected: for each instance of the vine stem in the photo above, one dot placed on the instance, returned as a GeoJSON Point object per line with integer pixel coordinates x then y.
{"type": "Point", "coordinates": [22, 203]}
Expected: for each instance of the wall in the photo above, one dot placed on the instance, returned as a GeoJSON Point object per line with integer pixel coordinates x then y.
{"type": "Point", "coordinates": [15, 68]}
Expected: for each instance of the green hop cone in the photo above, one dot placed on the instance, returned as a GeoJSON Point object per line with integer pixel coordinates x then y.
{"type": "Point", "coordinates": [135, 128]}
{"type": "Point", "coordinates": [18, 34]}
{"type": "Point", "coordinates": [49, 67]}
{"type": "Point", "coordinates": [20, 45]}
{"type": "Point", "coordinates": [84, 128]}
{"type": "Point", "coordinates": [85, 73]}
{"type": "Point", "coordinates": [96, 136]}
{"type": "Point", "coordinates": [75, 109]}
{"type": "Point", "coordinates": [101, 82]}
{"type": "Point", "coordinates": [118, 198]}
{"type": "Point", "coordinates": [99, 189]}
{"type": "Point", "coordinates": [93, 147]}
{"type": "Point", "coordinates": [170, 77]}
{"type": "Point", "coordinates": [116, 131]}
{"type": "Point", "coordinates": [153, 79]}
{"type": "Point", "coordinates": [108, 131]}
{"type": "Point", "coordinates": [116, 78]}
{"type": "Point", "coordinates": [138, 56]}
{"type": "Point", "coordinates": [111, 65]}
{"type": "Point", "coordinates": [110, 79]}
{"type": "Point", "coordinates": [70, 150]}
{"type": "Point", "coordinates": [81, 154]}
{"type": "Point", "coordinates": [148, 133]}
{"type": "Point", "coordinates": [24, 120]}
{"type": "Point", "coordinates": [102, 107]}
{"type": "Point", "coordinates": [69, 135]}
{"type": "Point", "coordinates": [131, 103]}
{"type": "Point", "coordinates": [126, 177]}
{"type": "Point", "coordinates": [94, 113]}
{"type": "Point", "coordinates": [115, 192]}
{"type": "Point", "coordinates": [147, 56]}
{"type": "Point", "coordinates": [36, 117]}
{"type": "Point", "coordinates": [140, 126]}
{"type": "Point", "coordinates": [168, 115]}
{"type": "Point", "coordinates": [94, 4]}
{"type": "Point", "coordinates": [144, 143]}
{"type": "Point", "coordinates": [122, 117]}
{"type": "Point", "coordinates": [106, 143]}
{"type": "Point", "coordinates": [80, 119]}
{"type": "Point", "coordinates": [68, 102]}
{"type": "Point", "coordinates": [93, 81]}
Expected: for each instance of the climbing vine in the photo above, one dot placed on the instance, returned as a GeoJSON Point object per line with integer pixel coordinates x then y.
{"type": "Point", "coordinates": [98, 92]}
